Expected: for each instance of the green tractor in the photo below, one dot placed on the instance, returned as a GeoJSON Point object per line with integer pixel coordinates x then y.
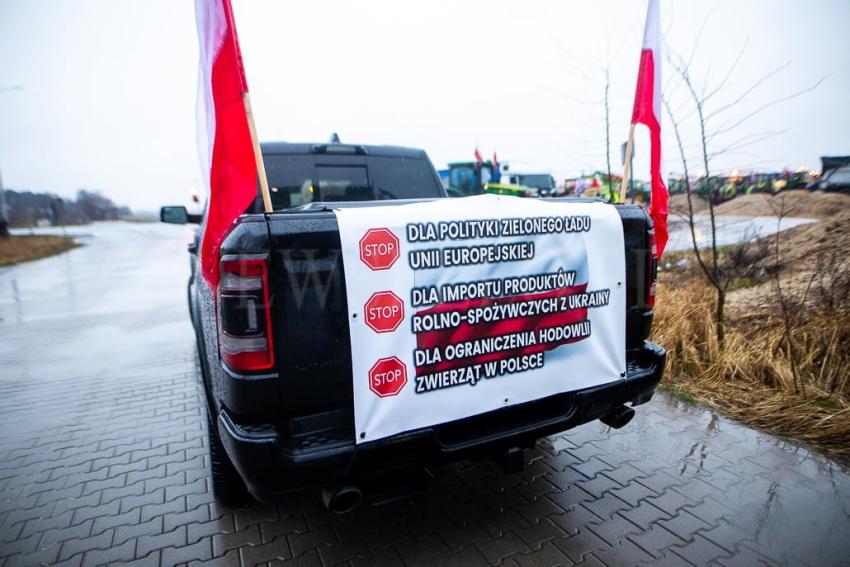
{"type": "Point", "coordinates": [464, 178]}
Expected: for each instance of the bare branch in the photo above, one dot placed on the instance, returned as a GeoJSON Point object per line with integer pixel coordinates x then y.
{"type": "Point", "coordinates": [683, 71]}
{"type": "Point", "coordinates": [698, 37]}
{"type": "Point", "coordinates": [705, 269]}
{"type": "Point", "coordinates": [608, 134]}
{"type": "Point", "coordinates": [667, 54]}
{"type": "Point", "coordinates": [729, 73]}
{"type": "Point", "coordinates": [724, 128]}
{"type": "Point", "coordinates": [627, 34]}
{"type": "Point", "coordinates": [705, 83]}
{"type": "Point", "coordinates": [582, 66]}
{"type": "Point", "coordinates": [746, 141]}
{"type": "Point", "coordinates": [748, 92]}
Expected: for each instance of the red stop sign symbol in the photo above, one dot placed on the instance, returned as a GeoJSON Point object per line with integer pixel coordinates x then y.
{"type": "Point", "coordinates": [387, 377]}
{"type": "Point", "coordinates": [379, 248]}
{"type": "Point", "coordinates": [384, 311]}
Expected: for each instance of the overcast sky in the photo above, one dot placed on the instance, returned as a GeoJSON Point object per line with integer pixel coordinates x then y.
{"type": "Point", "coordinates": [107, 98]}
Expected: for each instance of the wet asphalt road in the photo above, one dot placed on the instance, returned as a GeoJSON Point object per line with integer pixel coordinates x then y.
{"type": "Point", "coordinates": [103, 456]}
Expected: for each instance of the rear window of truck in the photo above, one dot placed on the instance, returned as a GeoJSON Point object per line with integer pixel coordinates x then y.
{"type": "Point", "coordinates": [296, 180]}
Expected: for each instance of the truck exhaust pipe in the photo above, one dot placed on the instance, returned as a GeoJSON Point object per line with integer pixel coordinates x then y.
{"type": "Point", "coordinates": [619, 417]}
{"type": "Point", "coordinates": [343, 499]}
{"type": "Point", "coordinates": [512, 460]}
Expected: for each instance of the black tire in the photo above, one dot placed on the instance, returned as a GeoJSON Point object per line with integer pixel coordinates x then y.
{"type": "Point", "coordinates": [228, 487]}
{"type": "Point", "coordinates": [190, 304]}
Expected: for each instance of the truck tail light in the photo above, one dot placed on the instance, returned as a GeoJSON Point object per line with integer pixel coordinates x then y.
{"type": "Point", "coordinates": [244, 322]}
{"type": "Point", "coordinates": [651, 268]}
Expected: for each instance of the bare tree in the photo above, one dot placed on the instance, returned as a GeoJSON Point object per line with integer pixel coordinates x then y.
{"type": "Point", "coordinates": [710, 146]}
{"type": "Point", "coordinates": [608, 134]}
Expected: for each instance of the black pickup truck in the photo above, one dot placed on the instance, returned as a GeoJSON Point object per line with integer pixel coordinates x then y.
{"type": "Point", "coordinates": [275, 353]}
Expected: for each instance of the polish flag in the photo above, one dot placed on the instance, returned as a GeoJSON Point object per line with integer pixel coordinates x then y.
{"type": "Point", "coordinates": [647, 111]}
{"type": "Point", "coordinates": [478, 157]}
{"type": "Point", "coordinates": [224, 139]}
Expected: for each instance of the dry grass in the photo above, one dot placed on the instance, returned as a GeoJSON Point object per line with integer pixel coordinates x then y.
{"type": "Point", "coordinates": [754, 378]}
{"type": "Point", "coordinates": [16, 249]}
{"type": "Point", "coordinates": [785, 365]}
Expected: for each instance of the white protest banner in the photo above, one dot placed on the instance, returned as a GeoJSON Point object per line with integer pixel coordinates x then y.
{"type": "Point", "coordinates": [458, 307]}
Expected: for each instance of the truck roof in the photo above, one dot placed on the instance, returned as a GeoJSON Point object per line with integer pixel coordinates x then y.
{"type": "Point", "coordinates": [306, 148]}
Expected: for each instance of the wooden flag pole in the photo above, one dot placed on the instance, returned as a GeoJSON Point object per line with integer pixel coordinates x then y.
{"type": "Point", "coordinates": [627, 166]}
{"type": "Point", "coordinates": [258, 154]}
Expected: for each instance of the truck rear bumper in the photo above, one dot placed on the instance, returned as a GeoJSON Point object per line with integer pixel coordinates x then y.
{"type": "Point", "coordinates": [321, 451]}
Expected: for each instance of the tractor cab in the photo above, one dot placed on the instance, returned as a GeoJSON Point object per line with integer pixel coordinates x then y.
{"type": "Point", "coordinates": [477, 177]}
{"type": "Point", "coordinates": [469, 177]}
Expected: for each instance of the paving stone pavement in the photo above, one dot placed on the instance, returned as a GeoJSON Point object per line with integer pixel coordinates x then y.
{"type": "Point", "coordinates": [103, 457]}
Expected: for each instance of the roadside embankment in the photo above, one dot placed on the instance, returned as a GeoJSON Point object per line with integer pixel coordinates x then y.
{"type": "Point", "coordinates": [796, 203]}
{"type": "Point", "coordinates": [15, 249]}
{"type": "Point", "coordinates": [784, 366]}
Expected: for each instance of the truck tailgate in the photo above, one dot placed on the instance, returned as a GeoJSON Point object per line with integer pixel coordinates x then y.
{"type": "Point", "coordinates": [310, 312]}
{"type": "Point", "coordinates": [311, 315]}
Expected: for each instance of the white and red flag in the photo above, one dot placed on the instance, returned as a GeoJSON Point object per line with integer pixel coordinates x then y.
{"type": "Point", "coordinates": [224, 139]}
{"type": "Point", "coordinates": [647, 111]}
{"type": "Point", "coordinates": [478, 158]}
